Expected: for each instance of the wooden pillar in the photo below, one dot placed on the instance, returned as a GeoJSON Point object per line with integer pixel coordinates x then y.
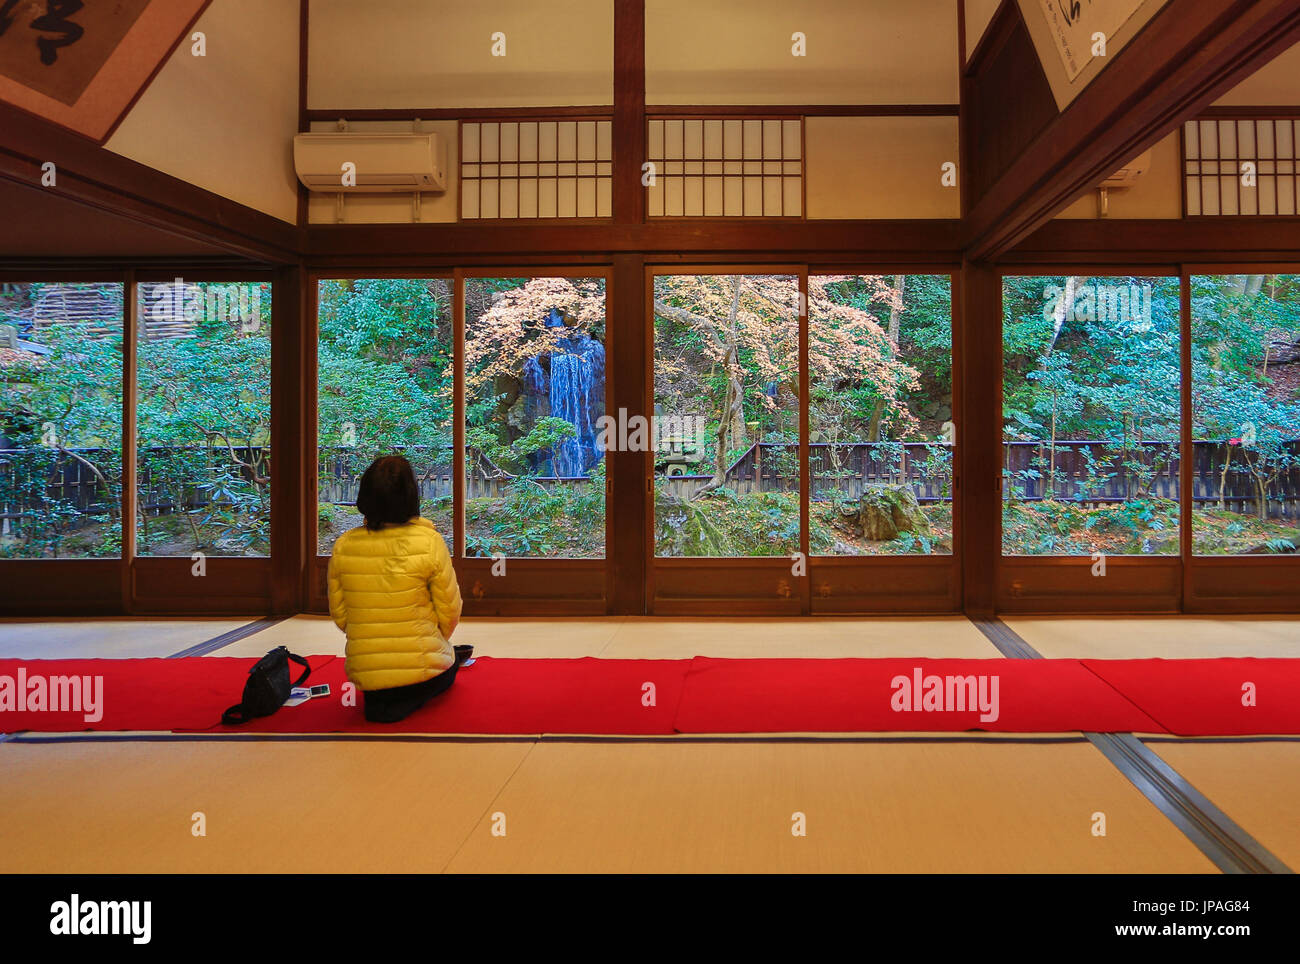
{"type": "Point", "coordinates": [627, 498]}
{"type": "Point", "coordinates": [293, 442]}
{"type": "Point", "coordinates": [979, 435]}
{"type": "Point", "coordinates": [130, 460]}
{"type": "Point", "coordinates": [629, 111]}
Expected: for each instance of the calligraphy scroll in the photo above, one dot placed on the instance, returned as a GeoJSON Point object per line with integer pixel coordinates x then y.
{"type": "Point", "coordinates": [81, 63]}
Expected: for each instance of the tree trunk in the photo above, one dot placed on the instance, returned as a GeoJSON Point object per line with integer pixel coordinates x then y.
{"type": "Point", "coordinates": [1051, 472]}
{"type": "Point", "coordinates": [895, 327]}
{"type": "Point", "coordinates": [731, 419]}
{"type": "Point", "coordinates": [1062, 310]}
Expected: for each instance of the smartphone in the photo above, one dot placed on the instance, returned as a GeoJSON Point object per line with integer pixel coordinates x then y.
{"type": "Point", "coordinates": [322, 690]}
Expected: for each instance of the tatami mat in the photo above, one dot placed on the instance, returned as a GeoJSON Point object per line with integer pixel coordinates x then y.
{"type": "Point", "coordinates": [1256, 784]}
{"type": "Point", "coordinates": [869, 808]}
{"type": "Point", "coordinates": [1165, 637]}
{"type": "Point", "coordinates": [552, 638]}
{"type": "Point", "coordinates": [269, 807]}
{"type": "Point", "coordinates": [614, 637]}
{"type": "Point", "coordinates": [816, 638]}
{"type": "Point", "coordinates": [107, 638]}
{"type": "Point", "coordinates": [963, 805]}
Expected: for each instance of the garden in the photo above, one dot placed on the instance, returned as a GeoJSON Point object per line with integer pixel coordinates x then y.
{"type": "Point", "coordinates": [1092, 451]}
{"type": "Point", "coordinates": [1092, 415]}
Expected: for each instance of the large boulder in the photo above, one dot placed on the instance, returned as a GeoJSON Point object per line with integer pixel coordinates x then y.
{"type": "Point", "coordinates": [885, 512]}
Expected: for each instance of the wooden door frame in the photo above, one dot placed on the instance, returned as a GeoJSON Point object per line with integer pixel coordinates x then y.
{"type": "Point", "coordinates": [884, 584]}
{"type": "Point", "coordinates": [1240, 583]}
{"type": "Point", "coordinates": [1063, 584]}
{"type": "Point", "coordinates": [232, 585]}
{"type": "Point", "coordinates": [531, 585]}
{"type": "Point", "coordinates": [906, 584]}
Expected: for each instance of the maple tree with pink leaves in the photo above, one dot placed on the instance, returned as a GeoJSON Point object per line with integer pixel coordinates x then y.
{"type": "Point", "coordinates": [746, 327]}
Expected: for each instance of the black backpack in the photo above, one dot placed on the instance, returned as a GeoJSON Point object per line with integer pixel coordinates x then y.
{"type": "Point", "coordinates": [267, 687]}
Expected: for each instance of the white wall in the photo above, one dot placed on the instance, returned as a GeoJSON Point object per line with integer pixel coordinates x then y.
{"type": "Point", "coordinates": [438, 53]}
{"type": "Point", "coordinates": [880, 167]}
{"type": "Point", "coordinates": [857, 52]}
{"type": "Point", "coordinates": [226, 121]}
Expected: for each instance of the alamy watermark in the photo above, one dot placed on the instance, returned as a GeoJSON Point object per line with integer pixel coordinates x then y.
{"type": "Point", "coordinates": [130, 918]}
{"type": "Point", "coordinates": [53, 694]}
{"type": "Point", "coordinates": [1111, 304]}
{"type": "Point", "coordinates": [946, 694]}
{"type": "Point", "coordinates": [233, 304]}
{"type": "Point", "coordinates": [665, 434]}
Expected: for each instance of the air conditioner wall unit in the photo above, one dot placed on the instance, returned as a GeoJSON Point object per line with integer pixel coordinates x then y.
{"type": "Point", "coordinates": [384, 163]}
{"type": "Point", "coordinates": [1130, 173]}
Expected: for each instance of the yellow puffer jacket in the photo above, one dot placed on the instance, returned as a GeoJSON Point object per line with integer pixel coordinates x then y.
{"type": "Point", "coordinates": [394, 593]}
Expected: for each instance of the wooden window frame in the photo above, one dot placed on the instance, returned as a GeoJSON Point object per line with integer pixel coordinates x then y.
{"type": "Point", "coordinates": [764, 585]}
{"type": "Point", "coordinates": [530, 585]}
{"type": "Point", "coordinates": [1255, 117]}
{"type": "Point", "coordinates": [596, 116]}
{"type": "Point", "coordinates": [133, 584]}
{"type": "Point", "coordinates": [1182, 583]}
{"type": "Point", "coordinates": [767, 114]}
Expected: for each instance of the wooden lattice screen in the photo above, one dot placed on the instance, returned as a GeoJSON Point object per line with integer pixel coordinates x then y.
{"type": "Point", "coordinates": [1242, 166]}
{"type": "Point", "coordinates": [512, 169]}
{"type": "Point", "coordinates": [726, 167]}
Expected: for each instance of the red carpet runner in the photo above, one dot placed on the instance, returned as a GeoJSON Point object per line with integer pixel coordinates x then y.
{"type": "Point", "coordinates": [1194, 697]}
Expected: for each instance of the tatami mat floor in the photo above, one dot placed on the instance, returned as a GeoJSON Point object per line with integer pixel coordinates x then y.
{"type": "Point", "coordinates": [616, 637]}
{"type": "Point", "coordinates": [418, 807]}
{"type": "Point", "coordinates": [882, 804]}
{"type": "Point", "coordinates": [1163, 637]}
{"type": "Point", "coordinates": [1256, 784]}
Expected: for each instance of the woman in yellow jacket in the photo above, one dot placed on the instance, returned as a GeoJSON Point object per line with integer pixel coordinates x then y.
{"type": "Point", "coordinates": [393, 591]}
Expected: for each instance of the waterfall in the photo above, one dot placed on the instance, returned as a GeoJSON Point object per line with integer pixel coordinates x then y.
{"type": "Point", "coordinates": [568, 382]}
{"type": "Point", "coordinates": [571, 380]}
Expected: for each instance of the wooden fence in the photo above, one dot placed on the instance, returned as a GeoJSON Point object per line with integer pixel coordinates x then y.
{"type": "Point", "coordinates": [845, 468]}
{"type": "Point", "coordinates": [1092, 472]}
{"type": "Point", "coordinates": [1097, 472]}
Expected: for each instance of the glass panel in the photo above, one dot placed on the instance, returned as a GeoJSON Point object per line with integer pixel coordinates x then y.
{"type": "Point", "coordinates": [880, 414]}
{"type": "Point", "coordinates": [203, 419]}
{"type": "Point", "coordinates": [1090, 416]}
{"type": "Point", "coordinates": [534, 400]}
{"type": "Point", "coordinates": [385, 387]}
{"type": "Point", "coordinates": [726, 381]}
{"type": "Point", "coordinates": [1246, 414]}
{"type": "Point", "coordinates": [60, 420]}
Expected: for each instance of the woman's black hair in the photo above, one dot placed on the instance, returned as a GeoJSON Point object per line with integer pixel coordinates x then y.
{"type": "Point", "coordinates": [388, 494]}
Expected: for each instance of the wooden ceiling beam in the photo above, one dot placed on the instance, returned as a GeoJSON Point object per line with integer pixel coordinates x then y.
{"type": "Point", "coordinates": [1189, 54]}
{"type": "Point", "coordinates": [661, 238]}
{"type": "Point", "coordinates": [98, 178]}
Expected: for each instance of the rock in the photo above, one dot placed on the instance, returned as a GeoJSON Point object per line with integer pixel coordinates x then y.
{"type": "Point", "coordinates": [518, 417]}
{"type": "Point", "coordinates": [886, 511]}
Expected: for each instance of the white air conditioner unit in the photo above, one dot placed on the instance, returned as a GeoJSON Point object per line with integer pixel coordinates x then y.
{"type": "Point", "coordinates": [1130, 173]}
{"type": "Point", "coordinates": [1122, 180]}
{"type": "Point", "coordinates": [382, 163]}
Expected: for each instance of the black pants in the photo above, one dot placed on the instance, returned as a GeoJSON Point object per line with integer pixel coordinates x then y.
{"type": "Point", "coordinates": [399, 702]}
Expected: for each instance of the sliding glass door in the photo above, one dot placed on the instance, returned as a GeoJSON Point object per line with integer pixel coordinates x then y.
{"type": "Point", "coordinates": [203, 418]}
{"type": "Point", "coordinates": [534, 404]}
{"type": "Point", "coordinates": [385, 380]}
{"type": "Point", "coordinates": [804, 435]}
{"type": "Point", "coordinates": [493, 386]}
{"type": "Point", "coordinates": [726, 415]}
{"type": "Point", "coordinates": [61, 420]}
{"type": "Point", "coordinates": [1090, 412]}
{"type": "Point", "coordinates": [1245, 353]}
